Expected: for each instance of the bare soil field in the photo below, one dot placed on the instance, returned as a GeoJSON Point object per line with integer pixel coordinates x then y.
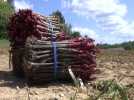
{"type": "Point", "coordinates": [117, 66]}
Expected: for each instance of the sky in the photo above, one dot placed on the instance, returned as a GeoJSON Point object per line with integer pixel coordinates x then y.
{"type": "Point", "coordinates": [106, 21]}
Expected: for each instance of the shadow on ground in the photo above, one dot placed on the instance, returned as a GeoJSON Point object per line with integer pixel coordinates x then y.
{"type": "Point", "coordinates": [7, 79]}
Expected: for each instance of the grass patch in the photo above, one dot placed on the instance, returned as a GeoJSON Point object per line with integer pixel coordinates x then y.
{"type": "Point", "coordinates": [4, 43]}
{"type": "Point", "coordinates": [111, 90]}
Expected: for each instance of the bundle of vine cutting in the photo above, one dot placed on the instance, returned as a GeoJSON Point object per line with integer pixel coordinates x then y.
{"type": "Point", "coordinates": [79, 53]}
{"type": "Point", "coordinates": [25, 23]}
{"type": "Point", "coordinates": [42, 59]}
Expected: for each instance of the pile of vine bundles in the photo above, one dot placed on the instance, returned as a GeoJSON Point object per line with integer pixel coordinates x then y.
{"type": "Point", "coordinates": [49, 59]}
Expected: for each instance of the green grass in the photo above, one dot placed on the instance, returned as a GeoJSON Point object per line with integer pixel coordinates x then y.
{"type": "Point", "coordinates": [4, 43]}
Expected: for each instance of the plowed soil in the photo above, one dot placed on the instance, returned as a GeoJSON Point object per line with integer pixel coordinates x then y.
{"type": "Point", "coordinates": [111, 65]}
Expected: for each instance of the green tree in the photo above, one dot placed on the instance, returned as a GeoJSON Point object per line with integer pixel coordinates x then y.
{"type": "Point", "coordinates": [67, 28]}
{"type": "Point", "coordinates": [75, 34]}
{"type": "Point", "coordinates": [60, 15]}
{"type": "Point", "coordinates": [128, 45]}
{"type": "Point", "coordinates": [5, 12]}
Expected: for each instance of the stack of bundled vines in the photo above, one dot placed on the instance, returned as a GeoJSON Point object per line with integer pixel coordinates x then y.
{"type": "Point", "coordinates": [23, 24]}
{"type": "Point", "coordinates": [38, 60]}
{"type": "Point", "coordinates": [79, 53]}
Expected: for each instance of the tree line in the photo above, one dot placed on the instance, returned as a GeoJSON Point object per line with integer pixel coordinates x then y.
{"type": "Point", "coordinates": [126, 45]}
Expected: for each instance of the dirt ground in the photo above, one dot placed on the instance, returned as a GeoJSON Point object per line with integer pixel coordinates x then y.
{"type": "Point", "coordinates": [117, 65]}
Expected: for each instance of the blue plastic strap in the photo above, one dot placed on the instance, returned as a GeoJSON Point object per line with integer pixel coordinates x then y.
{"type": "Point", "coordinates": [54, 51]}
{"type": "Point", "coordinates": [55, 58]}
